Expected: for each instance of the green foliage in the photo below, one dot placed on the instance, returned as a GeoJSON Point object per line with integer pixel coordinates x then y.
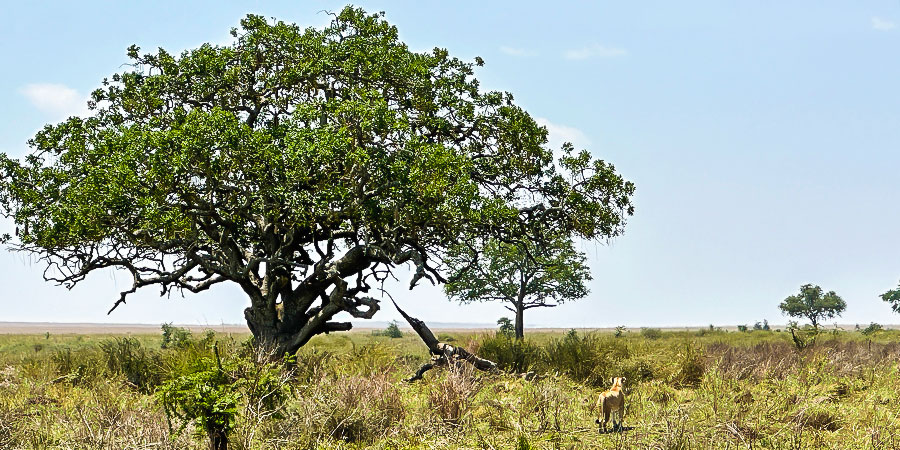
{"type": "Point", "coordinates": [175, 337]}
{"type": "Point", "coordinates": [140, 366]}
{"type": "Point", "coordinates": [524, 276]}
{"type": "Point", "coordinates": [690, 365]}
{"type": "Point", "coordinates": [206, 397]}
{"type": "Point", "coordinates": [511, 354]}
{"type": "Point", "coordinates": [589, 358]}
{"type": "Point", "coordinates": [620, 331]}
{"type": "Point", "coordinates": [392, 331]}
{"type": "Point", "coordinates": [742, 328]}
{"type": "Point", "coordinates": [893, 297]}
{"type": "Point", "coordinates": [761, 326]}
{"type": "Point", "coordinates": [651, 333]}
{"type": "Point", "coordinates": [803, 338]}
{"type": "Point", "coordinates": [522, 443]}
{"type": "Point", "coordinates": [507, 328]}
{"type": "Point", "coordinates": [872, 329]}
{"type": "Point", "coordinates": [813, 304]}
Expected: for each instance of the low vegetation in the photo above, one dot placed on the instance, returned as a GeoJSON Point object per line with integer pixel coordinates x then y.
{"type": "Point", "coordinates": [700, 389]}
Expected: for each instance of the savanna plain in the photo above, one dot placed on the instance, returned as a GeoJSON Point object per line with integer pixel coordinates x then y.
{"type": "Point", "coordinates": [698, 389]}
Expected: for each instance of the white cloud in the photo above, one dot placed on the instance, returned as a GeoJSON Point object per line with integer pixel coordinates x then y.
{"type": "Point", "coordinates": [558, 134]}
{"type": "Point", "coordinates": [520, 52]}
{"type": "Point", "coordinates": [596, 50]}
{"type": "Point", "coordinates": [882, 24]}
{"type": "Point", "coordinates": [56, 100]}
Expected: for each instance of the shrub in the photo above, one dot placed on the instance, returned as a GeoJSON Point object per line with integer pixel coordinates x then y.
{"type": "Point", "coordinates": [689, 363]}
{"type": "Point", "coordinates": [392, 331]}
{"type": "Point", "coordinates": [620, 330]}
{"type": "Point", "coordinates": [510, 354]}
{"type": "Point", "coordinates": [140, 367]}
{"type": "Point", "coordinates": [207, 397]}
{"type": "Point", "coordinates": [588, 359]}
{"type": "Point", "coordinates": [651, 333]}
{"type": "Point", "coordinates": [742, 328]}
{"type": "Point", "coordinates": [77, 367]}
{"type": "Point", "coordinates": [872, 329]}
{"type": "Point", "coordinates": [507, 328]}
{"type": "Point", "coordinates": [175, 337]}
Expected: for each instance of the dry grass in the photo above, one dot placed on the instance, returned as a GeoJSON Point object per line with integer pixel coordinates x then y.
{"type": "Point", "coordinates": [687, 391]}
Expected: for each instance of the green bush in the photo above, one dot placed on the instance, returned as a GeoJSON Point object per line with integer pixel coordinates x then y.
{"type": "Point", "coordinates": [206, 397]}
{"type": "Point", "coordinates": [392, 331]}
{"type": "Point", "coordinates": [651, 333]}
{"type": "Point", "coordinates": [872, 329]}
{"type": "Point", "coordinates": [507, 328]}
{"type": "Point", "coordinates": [689, 364]}
{"type": "Point", "coordinates": [175, 337]}
{"type": "Point", "coordinates": [588, 359]}
{"type": "Point", "coordinates": [142, 368]}
{"type": "Point", "coordinates": [78, 367]}
{"type": "Point", "coordinates": [511, 354]}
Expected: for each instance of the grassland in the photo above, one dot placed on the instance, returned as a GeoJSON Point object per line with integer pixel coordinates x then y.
{"type": "Point", "coordinates": [707, 389]}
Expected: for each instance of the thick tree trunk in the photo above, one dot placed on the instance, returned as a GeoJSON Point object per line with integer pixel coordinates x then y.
{"type": "Point", "coordinates": [277, 336]}
{"type": "Point", "coordinates": [520, 321]}
{"type": "Point", "coordinates": [218, 440]}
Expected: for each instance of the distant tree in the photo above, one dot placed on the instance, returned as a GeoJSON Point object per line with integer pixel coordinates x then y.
{"type": "Point", "coordinates": [872, 329]}
{"type": "Point", "coordinates": [392, 331]}
{"type": "Point", "coordinates": [300, 165]}
{"type": "Point", "coordinates": [893, 297]}
{"type": "Point", "coordinates": [507, 328]}
{"type": "Point", "coordinates": [813, 304]}
{"type": "Point", "coordinates": [522, 276]}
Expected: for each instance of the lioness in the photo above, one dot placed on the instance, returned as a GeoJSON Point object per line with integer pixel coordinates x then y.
{"type": "Point", "coordinates": [611, 401]}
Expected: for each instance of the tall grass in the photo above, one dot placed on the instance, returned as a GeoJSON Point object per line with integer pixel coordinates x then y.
{"type": "Point", "coordinates": [684, 390]}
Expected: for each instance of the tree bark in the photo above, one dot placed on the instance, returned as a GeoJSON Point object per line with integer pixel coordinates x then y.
{"type": "Point", "coordinates": [218, 440]}
{"type": "Point", "coordinates": [520, 321]}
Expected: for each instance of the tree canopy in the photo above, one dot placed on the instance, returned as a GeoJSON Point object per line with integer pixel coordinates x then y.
{"type": "Point", "coordinates": [521, 276]}
{"type": "Point", "coordinates": [302, 165]}
{"type": "Point", "coordinates": [813, 304]}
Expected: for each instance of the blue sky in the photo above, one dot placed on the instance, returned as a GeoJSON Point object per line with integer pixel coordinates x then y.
{"type": "Point", "coordinates": [763, 137]}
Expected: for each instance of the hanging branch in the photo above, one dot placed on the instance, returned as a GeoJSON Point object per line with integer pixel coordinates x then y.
{"type": "Point", "coordinates": [442, 354]}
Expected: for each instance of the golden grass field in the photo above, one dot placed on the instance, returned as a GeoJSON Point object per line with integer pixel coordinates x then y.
{"type": "Point", "coordinates": [685, 390]}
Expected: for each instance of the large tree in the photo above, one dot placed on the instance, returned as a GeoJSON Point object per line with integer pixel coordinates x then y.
{"type": "Point", "coordinates": [813, 304]}
{"type": "Point", "coordinates": [304, 166]}
{"type": "Point", "coordinates": [521, 276]}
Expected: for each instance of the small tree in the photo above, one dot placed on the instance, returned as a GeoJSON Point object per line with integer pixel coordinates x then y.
{"type": "Point", "coordinates": [207, 397]}
{"type": "Point", "coordinates": [506, 327]}
{"type": "Point", "coordinates": [393, 330]}
{"type": "Point", "coordinates": [813, 304]}
{"type": "Point", "coordinates": [523, 276]}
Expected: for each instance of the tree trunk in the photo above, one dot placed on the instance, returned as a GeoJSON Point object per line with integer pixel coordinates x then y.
{"type": "Point", "coordinates": [520, 321]}
{"type": "Point", "coordinates": [218, 440]}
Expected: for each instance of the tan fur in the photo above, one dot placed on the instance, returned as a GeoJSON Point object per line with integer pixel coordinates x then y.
{"type": "Point", "coordinates": [612, 401]}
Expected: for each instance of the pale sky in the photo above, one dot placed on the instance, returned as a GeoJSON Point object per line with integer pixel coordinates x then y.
{"type": "Point", "coordinates": [763, 138]}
